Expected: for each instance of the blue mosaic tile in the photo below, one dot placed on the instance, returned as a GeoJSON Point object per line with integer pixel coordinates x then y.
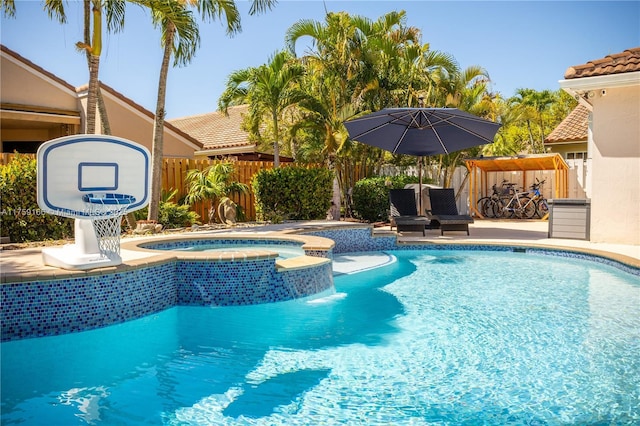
{"type": "Point", "coordinates": [356, 240]}
{"type": "Point", "coordinates": [591, 257]}
{"type": "Point", "coordinates": [34, 309]}
{"type": "Point", "coordinates": [246, 283]}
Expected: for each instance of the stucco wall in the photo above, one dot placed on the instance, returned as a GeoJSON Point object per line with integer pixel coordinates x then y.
{"type": "Point", "coordinates": [563, 148]}
{"type": "Point", "coordinates": [19, 86]}
{"type": "Point", "coordinates": [615, 203]}
{"type": "Point", "coordinates": [129, 123]}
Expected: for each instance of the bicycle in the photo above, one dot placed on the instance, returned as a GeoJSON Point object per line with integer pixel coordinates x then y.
{"type": "Point", "coordinates": [519, 205]}
{"type": "Point", "coordinates": [542, 207]}
{"type": "Point", "coordinates": [485, 203]}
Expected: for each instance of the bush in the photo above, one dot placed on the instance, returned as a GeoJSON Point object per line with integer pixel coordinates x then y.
{"type": "Point", "coordinates": [20, 217]}
{"type": "Point", "coordinates": [170, 214]}
{"type": "Point", "coordinates": [293, 193]}
{"type": "Point", "coordinates": [371, 196]}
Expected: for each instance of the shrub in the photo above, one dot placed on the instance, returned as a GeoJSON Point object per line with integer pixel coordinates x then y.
{"type": "Point", "coordinates": [371, 196]}
{"type": "Point", "coordinates": [215, 183]}
{"type": "Point", "coordinates": [170, 214]}
{"type": "Point", "coordinates": [293, 193]}
{"type": "Point", "coordinates": [20, 217]}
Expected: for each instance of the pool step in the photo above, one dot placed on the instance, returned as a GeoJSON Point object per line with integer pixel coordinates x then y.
{"type": "Point", "coordinates": [300, 262]}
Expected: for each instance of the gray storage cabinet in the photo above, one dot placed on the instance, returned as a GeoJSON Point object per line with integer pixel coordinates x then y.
{"type": "Point", "coordinates": [569, 218]}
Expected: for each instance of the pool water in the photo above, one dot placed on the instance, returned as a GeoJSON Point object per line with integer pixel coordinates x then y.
{"type": "Point", "coordinates": [444, 337]}
{"type": "Point", "coordinates": [284, 251]}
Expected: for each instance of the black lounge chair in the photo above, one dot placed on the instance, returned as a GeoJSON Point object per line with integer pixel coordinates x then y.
{"type": "Point", "coordinates": [445, 212]}
{"type": "Point", "coordinates": [404, 214]}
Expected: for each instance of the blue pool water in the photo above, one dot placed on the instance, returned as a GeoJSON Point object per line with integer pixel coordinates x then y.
{"type": "Point", "coordinates": [284, 251]}
{"type": "Point", "coordinates": [439, 337]}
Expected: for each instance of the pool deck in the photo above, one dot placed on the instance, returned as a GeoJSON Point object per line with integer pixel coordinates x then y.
{"type": "Point", "coordinates": [27, 264]}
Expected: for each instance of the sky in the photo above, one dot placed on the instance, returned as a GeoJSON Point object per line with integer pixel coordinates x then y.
{"type": "Point", "coordinates": [521, 44]}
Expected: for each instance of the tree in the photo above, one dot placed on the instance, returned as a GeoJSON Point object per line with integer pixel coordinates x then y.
{"type": "Point", "coordinates": [269, 90]}
{"type": "Point", "coordinates": [534, 104]}
{"type": "Point", "coordinates": [180, 39]}
{"type": "Point", "coordinates": [465, 90]}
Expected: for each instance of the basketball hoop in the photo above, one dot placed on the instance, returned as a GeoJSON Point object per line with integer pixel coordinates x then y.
{"type": "Point", "coordinates": [105, 212]}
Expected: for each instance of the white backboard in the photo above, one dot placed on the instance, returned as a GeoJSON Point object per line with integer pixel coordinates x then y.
{"type": "Point", "coordinates": [95, 165]}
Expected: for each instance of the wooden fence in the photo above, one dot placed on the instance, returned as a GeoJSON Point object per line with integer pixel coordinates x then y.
{"type": "Point", "coordinates": [174, 174]}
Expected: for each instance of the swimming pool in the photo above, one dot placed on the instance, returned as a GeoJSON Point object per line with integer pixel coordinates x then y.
{"type": "Point", "coordinates": [440, 336]}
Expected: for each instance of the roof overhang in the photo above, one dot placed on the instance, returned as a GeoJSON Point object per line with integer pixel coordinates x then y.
{"type": "Point", "coordinates": [518, 163]}
{"type": "Point", "coordinates": [227, 150]}
{"type": "Point", "coordinates": [38, 117]}
{"type": "Point", "coordinates": [584, 88]}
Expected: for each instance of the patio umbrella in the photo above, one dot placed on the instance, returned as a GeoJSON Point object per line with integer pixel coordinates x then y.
{"type": "Point", "coordinates": [422, 131]}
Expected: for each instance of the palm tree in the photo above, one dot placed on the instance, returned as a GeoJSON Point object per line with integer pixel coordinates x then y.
{"type": "Point", "coordinates": [269, 90]}
{"type": "Point", "coordinates": [466, 90]}
{"type": "Point", "coordinates": [180, 39]}
{"type": "Point", "coordinates": [92, 44]}
{"type": "Point", "coordinates": [358, 64]}
{"type": "Point", "coordinates": [214, 184]}
{"type": "Point", "coordinates": [534, 104]}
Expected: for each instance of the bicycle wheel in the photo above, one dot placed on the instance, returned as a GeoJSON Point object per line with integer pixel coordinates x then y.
{"type": "Point", "coordinates": [542, 208]}
{"type": "Point", "coordinates": [528, 207]}
{"type": "Point", "coordinates": [482, 205]}
{"type": "Point", "coordinates": [505, 207]}
{"type": "Point", "coordinates": [520, 207]}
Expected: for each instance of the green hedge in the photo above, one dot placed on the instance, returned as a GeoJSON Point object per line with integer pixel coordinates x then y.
{"type": "Point", "coordinates": [292, 193]}
{"type": "Point", "coordinates": [371, 196]}
{"type": "Point", "coordinates": [20, 217]}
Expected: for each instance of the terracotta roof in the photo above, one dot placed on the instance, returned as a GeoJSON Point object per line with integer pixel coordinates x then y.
{"type": "Point", "coordinates": [215, 129]}
{"type": "Point", "coordinates": [617, 63]}
{"type": "Point", "coordinates": [573, 128]}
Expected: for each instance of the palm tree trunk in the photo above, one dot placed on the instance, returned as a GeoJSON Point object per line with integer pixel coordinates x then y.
{"type": "Point", "coordinates": [94, 66]}
{"type": "Point", "coordinates": [531, 141]}
{"type": "Point", "coordinates": [158, 127]}
{"type": "Point", "coordinates": [276, 143]}
{"type": "Point", "coordinates": [104, 118]}
{"type": "Point", "coordinates": [94, 62]}
{"type": "Point", "coordinates": [541, 135]}
{"type": "Point", "coordinates": [334, 211]}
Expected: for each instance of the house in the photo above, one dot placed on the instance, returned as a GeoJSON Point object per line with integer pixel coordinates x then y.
{"type": "Point", "coordinates": [569, 139]}
{"type": "Point", "coordinates": [223, 135]}
{"type": "Point", "coordinates": [37, 106]}
{"type": "Point", "coordinates": [609, 89]}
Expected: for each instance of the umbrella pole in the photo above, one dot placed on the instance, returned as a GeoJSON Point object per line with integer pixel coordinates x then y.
{"type": "Point", "coordinates": [420, 185]}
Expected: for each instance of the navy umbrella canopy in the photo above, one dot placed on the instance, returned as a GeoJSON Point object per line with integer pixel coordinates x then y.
{"type": "Point", "coordinates": [422, 131]}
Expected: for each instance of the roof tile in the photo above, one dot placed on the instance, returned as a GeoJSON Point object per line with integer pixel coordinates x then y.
{"type": "Point", "coordinates": [215, 129]}
{"type": "Point", "coordinates": [574, 128]}
{"type": "Point", "coordinates": [617, 63]}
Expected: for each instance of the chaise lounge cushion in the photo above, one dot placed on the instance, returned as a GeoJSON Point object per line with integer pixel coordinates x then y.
{"type": "Point", "coordinates": [445, 211]}
{"type": "Point", "coordinates": [404, 213]}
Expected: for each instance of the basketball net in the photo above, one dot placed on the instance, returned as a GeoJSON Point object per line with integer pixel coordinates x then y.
{"type": "Point", "coordinates": [107, 226]}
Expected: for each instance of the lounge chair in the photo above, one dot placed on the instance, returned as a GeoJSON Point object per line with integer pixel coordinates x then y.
{"type": "Point", "coordinates": [404, 213]}
{"type": "Point", "coordinates": [445, 212]}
